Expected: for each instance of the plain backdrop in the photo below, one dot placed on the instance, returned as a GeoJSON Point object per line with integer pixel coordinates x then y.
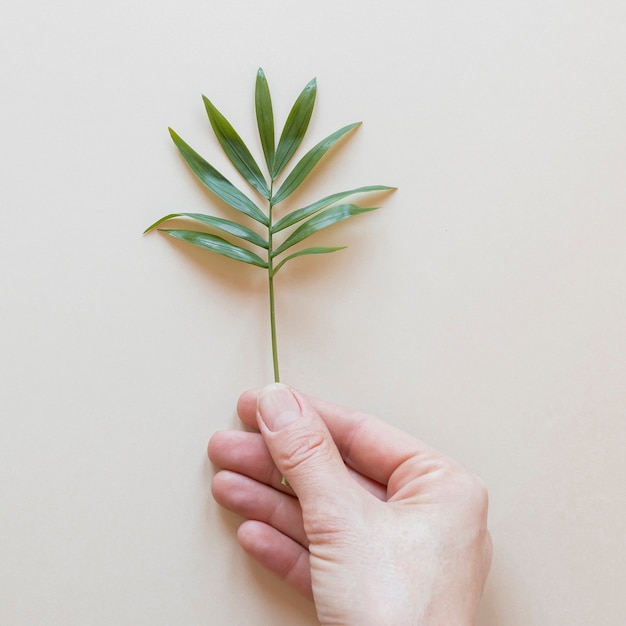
{"type": "Point", "coordinates": [483, 308]}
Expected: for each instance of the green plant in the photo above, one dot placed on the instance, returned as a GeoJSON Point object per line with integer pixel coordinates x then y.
{"type": "Point", "coordinates": [303, 222]}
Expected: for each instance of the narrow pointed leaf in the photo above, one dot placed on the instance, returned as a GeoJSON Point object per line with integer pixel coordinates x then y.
{"type": "Point", "coordinates": [235, 149]}
{"type": "Point", "coordinates": [320, 221]}
{"type": "Point", "coordinates": [217, 183]}
{"type": "Point", "coordinates": [295, 127]}
{"type": "Point", "coordinates": [309, 161]}
{"type": "Point", "coordinates": [265, 119]}
{"type": "Point", "coordinates": [227, 226]}
{"type": "Point", "coordinates": [296, 216]}
{"type": "Point", "coordinates": [219, 245]}
{"type": "Point", "coordinates": [306, 252]}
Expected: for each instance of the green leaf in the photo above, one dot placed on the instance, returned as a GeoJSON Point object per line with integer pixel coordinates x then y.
{"type": "Point", "coordinates": [306, 252]}
{"type": "Point", "coordinates": [296, 216]}
{"type": "Point", "coordinates": [265, 119]}
{"type": "Point", "coordinates": [227, 226]}
{"type": "Point", "coordinates": [218, 184]}
{"type": "Point", "coordinates": [235, 149]}
{"type": "Point", "coordinates": [295, 127]}
{"type": "Point", "coordinates": [219, 245]}
{"type": "Point", "coordinates": [308, 162]}
{"type": "Point", "coordinates": [320, 221]}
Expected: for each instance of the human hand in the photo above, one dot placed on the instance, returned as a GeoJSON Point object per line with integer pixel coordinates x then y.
{"type": "Point", "coordinates": [374, 526]}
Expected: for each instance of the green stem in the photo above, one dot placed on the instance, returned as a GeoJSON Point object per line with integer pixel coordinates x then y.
{"type": "Point", "coordinates": [270, 273]}
{"type": "Point", "coordinates": [273, 328]}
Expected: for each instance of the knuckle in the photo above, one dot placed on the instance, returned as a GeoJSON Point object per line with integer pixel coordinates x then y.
{"type": "Point", "coordinates": [468, 489]}
{"type": "Point", "coordinates": [482, 493]}
{"type": "Point", "coordinates": [477, 493]}
{"type": "Point", "coordinates": [301, 448]}
{"type": "Point", "coordinates": [331, 528]}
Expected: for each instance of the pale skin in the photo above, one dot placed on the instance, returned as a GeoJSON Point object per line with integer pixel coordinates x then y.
{"type": "Point", "coordinates": [374, 526]}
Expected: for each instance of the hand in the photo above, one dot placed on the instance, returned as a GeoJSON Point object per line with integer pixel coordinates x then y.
{"type": "Point", "coordinates": [374, 526]}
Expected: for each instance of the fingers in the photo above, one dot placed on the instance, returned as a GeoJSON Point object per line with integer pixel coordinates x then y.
{"type": "Point", "coordinates": [255, 501]}
{"type": "Point", "coordinates": [246, 453]}
{"type": "Point", "coordinates": [305, 453]}
{"type": "Point", "coordinates": [246, 407]}
{"type": "Point", "coordinates": [277, 553]}
{"type": "Point", "coordinates": [370, 446]}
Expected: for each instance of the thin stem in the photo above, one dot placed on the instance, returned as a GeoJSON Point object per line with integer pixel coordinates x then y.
{"type": "Point", "coordinates": [270, 273]}
{"type": "Point", "coordinates": [273, 328]}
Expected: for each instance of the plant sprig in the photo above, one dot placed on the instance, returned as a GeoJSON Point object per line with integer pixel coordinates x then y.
{"type": "Point", "coordinates": [251, 247]}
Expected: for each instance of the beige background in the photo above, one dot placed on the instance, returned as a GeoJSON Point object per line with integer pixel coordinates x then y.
{"type": "Point", "coordinates": [483, 309]}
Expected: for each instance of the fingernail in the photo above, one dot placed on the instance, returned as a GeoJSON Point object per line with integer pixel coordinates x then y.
{"type": "Point", "coordinates": [277, 406]}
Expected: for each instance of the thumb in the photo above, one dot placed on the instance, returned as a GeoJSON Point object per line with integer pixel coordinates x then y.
{"type": "Point", "coordinates": [303, 448]}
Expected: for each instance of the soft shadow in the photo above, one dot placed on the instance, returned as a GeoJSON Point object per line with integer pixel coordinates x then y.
{"type": "Point", "coordinates": [494, 606]}
{"type": "Point", "coordinates": [219, 271]}
{"type": "Point", "coordinates": [278, 594]}
{"type": "Point", "coordinates": [289, 606]}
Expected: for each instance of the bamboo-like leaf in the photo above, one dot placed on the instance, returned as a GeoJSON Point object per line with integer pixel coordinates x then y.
{"type": "Point", "coordinates": [265, 119]}
{"type": "Point", "coordinates": [302, 222]}
{"type": "Point", "coordinates": [227, 226]}
{"type": "Point", "coordinates": [306, 252]}
{"type": "Point", "coordinates": [219, 245]}
{"type": "Point", "coordinates": [320, 221]}
{"type": "Point", "coordinates": [295, 127]}
{"type": "Point", "coordinates": [296, 216]}
{"type": "Point", "coordinates": [217, 183]}
{"type": "Point", "coordinates": [309, 161]}
{"type": "Point", "coordinates": [235, 149]}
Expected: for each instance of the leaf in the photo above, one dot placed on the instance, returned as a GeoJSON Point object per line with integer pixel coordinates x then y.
{"type": "Point", "coordinates": [308, 162]}
{"type": "Point", "coordinates": [218, 184]}
{"type": "Point", "coordinates": [320, 221]}
{"type": "Point", "coordinates": [296, 216]}
{"type": "Point", "coordinates": [306, 252]}
{"type": "Point", "coordinates": [227, 226]}
{"type": "Point", "coordinates": [235, 149]}
{"type": "Point", "coordinates": [219, 245]}
{"type": "Point", "coordinates": [295, 127]}
{"type": "Point", "coordinates": [265, 119]}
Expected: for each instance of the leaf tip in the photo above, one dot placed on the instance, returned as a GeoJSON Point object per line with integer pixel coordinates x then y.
{"type": "Point", "coordinates": [208, 105]}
